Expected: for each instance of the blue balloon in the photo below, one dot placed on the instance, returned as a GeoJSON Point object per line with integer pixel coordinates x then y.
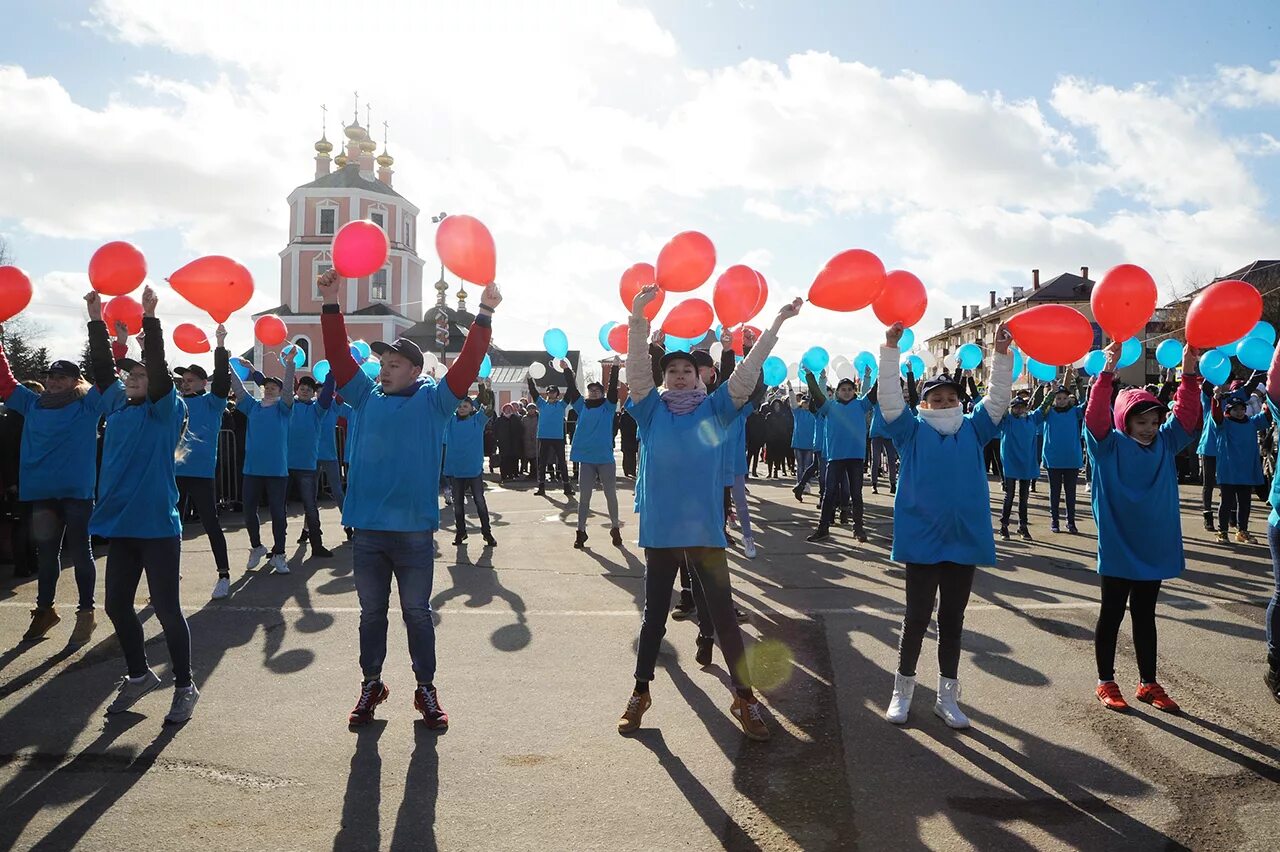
{"type": "Point", "coordinates": [1228, 350]}
{"type": "Point", "coordinates": [242, 372]}
{"type": "Point", "coordinates": [556, 343]}
{"type": "Point", "coordinates": [1095, 362]}
{"type": "Point", "coordinates": [1017, 363]}
{"type": "Point", "coordinates": [864, 361]}
{"type": "Point", "coordinates": [774, 371]}
{"type": "Point", "coordinates": [371, 368]}
{"type": "Point", "coordinates": [355, 353]}
{"type": "Point", "coordinates": [816, 359]}
{"type": "Point", "coordinates": [914, 365]}
{"type": "Point", "coordinates": [1215, 367]}
{"type": "Point", "coordinates": [486, 367]}
{"type": "Point", "coordinates": [604, 335]}
{"type": "Point", "coordinates": [362, 350]}
{"type": "Point", "coordinates": [1042, 372]}
{"type": "Point", "coordinates": [1130, 352]}
{"type": "Point", "coordinates": [677, 344]}
{"type": "Point", "coordinates": [320, 371]}
{"type": "Point", "coordinates": [907, 340]}
{"type": "Point", "coordinates": [1264, 330]}
{"type": "Point", "coordinates": [299, 355]}
{"type": "Point", "coordinates": [1255, 353]}
{"type": "Point", "coordinates": [1169, 354]}
{"type": "Point", "coordinates": [969, 356]}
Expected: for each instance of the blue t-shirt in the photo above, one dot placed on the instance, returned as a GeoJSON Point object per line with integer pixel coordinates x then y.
{"type": "Point", "coordinates": [59, 451]}
{"type": "Point", "coordinates": [266, 442]}
{"type": "Point", "coordinates": [846, 428]}
{"type": "Point", "coordinates": [551, 419]}
{"type": "Point", "coordinates": [942, 512]}
{"type": "Point", "coordinates": [1018, 447]}
{"type": "Point", "coordinates": [820, 435]}
{"type": "Point", "coordinates": [803, 428]}
{"type": "Point", "coordinates": [204, 422]}
{"type": "Point", "coordinates": [1062, 433]}
{"type": "Point", "coordinates": [1208, 446]}
{"type": "Point", "coordinates": [1239, 459]}
{"type": "Point", "coordinates": [1135, 503]}
{"type": "Point", "coordinates": [593, 437]}
{"type": "Point", "coordinates": [682, 504]}
{"type": "Point", "coordinates": [735, 447]}
{"type": "Point", "coordinates": [393, 455]}
{"type": "Point", "coordinates": [465, 438]}
{"type": "Point", "coordinates": [137, 492]}
{"type": "Point", "coordinates": [304, 434]}
{"type": "Point", "coordinates": [327, 449]}
{"type": "Point", "coordinates": [1274, 517]}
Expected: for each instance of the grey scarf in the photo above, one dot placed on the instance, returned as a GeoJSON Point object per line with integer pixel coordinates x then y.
{"type": "Point", "coordinates": [62, 399]}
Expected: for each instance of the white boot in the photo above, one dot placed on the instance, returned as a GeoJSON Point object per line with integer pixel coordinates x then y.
{"type": "Point", "coordinates": [900, 703]}
{"type": "Point", "coordinates": [946, 707]}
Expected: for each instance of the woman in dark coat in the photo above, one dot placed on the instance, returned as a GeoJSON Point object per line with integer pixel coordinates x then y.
{"type": "Point", "coordinates": [509, 431]}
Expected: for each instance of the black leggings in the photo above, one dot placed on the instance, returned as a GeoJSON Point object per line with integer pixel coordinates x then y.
{"type": "Point", "coordinates": [1141, 596]}
{"type": "Point", "coordinates": [1235, 505]}
{"type": "Point", "coordinates": [202, 494]}
{"type": "Point", "coordinates": [991, 458]}
{"type": "Point", "coordinates": [1063, 479]}
{"type": "Point", "coordinates": [1209, 478]}
{"type": "Point", "coordinates": [551, 452]}
{"type": "Point", "coordinates": [948, 584]}
{"type": "Point", "coordinates": [844, 485]}
{"type": "Point", "coordinates": [1022, 486]}
{"type": "Point", "coordinates": [159, 558]}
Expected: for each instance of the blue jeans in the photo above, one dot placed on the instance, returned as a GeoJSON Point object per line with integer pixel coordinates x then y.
{"type": "Point", "coordinates": [275, 488]}
{"type": "Point", "coordinates": [844, 483]}
{"type": "Point", "coordinates": [305, 480]}
{"type": "Point", "coordinates": [54, 522]}
{"type": "Point", "coordinates": [409, 557]}
{"type": "Point", "coordinates": [1273, 606]}
{"type": "Point", "coordinates": [332, 469]}
{"type": "Point", "coordinates": [460, 488]}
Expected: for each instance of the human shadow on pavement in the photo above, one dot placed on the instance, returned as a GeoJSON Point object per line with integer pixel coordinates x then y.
{"type": "Point", "coordinates": [415, 827]}
{"type": "Point", "coordinates": [362, 802]}
{"type": "Point", "coordinates": [479, 584]}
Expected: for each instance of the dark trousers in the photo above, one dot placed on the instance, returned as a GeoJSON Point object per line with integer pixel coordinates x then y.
{"type": "Point", "coordinates": [508, 464]}
{"type": "Point", "coordinates": [629, 463]}
{"type": "Point", "coordinates": [817, 468]}
{"type": "Point", "coordinates": [844, 483]}
{"type": "Point", "coordinates": [1141, 597]}
{"type": "Point", "coordinates": [201, 493]}
{"type": "Point", "coordinates": [460, 488]}
{"type": "Point", "coordinates": [949, 585]}
{"type": "Point", "coordinates": [1273, 605]}
{"type": "Point", "coordinates": [1209, 479]}
{"type": "Point", "coordinates": [1235, 504]}
{"type": "Point", "coordinates": [274, 487]}
{"type": "Point", "coordinates": [305, 482]}
{"type": "Point", "coordinates": [551, 451]}
{"type": "Point", "coordinates": [991, 458]}
{"type": "Point", "coordinates": [1063, 479]}
{"type": "Point", "coordinates": [25, 560]}
{"type": "Point", "coordinates": [711, 570]}
{"type": "Point", "coordinates": [159, 558]}
{"type": "Point", "coordinates": [55, 522]}
{"type": "Point", "coordinates": [1023, 487]}
{"type": "Point", "coordinates": [883, 449]}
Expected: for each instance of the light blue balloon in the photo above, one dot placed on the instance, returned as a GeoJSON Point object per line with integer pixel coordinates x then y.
{"type": "Point", "coordinates": [914, 365]}
{"type": "Point", "coordinates": [362, 350]}
{"type": "Point", "coordinates": [1255, 353]}
{"type": "Point", "coordinates": [907, 340]}
{"type": "Point", "coordinates": [1169, 354]}
{"type": "Point", "coordinates": [1041, 372]}
{"type": "Point", "coordinates": [678, 344]}
{"type": "Point", "coordinates": [774, 371]}
{"type": "Point", "coordinates": [816, 359]}
{"type": "Point", "coordinates": [320, 371]}
{"type": "Point", "coordinates": [299, 355]}
{"type": "Point", "coordinates": [1215, 366]}
{"type": "Point", "coordinates": [241, 371]}
{"type": "Point", "coordinates": [371, 369]}
{"type": "Point", "coordinates": [486, 367]}
{"type": "Point", "coordinates": [969, 356]}
{"type": "Point", "coordinates": [864, 361]}
{"type": "Point", "coordinates": [1264, 330]}
{"type": "Point", "coordinates": [1017, 363]}
{"type": "Point", "coordinates": [556, 343]}
{"type": "Point", "coordinates": [1130, 352]}
{"type": "Point", "coordinates": [604, 335]}
{"type": "Point", "coordinates": [1095, 362]}
{"type": "Point", "coordinates": [1228, 350]}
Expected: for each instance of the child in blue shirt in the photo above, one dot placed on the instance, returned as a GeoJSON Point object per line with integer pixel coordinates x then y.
{"type": "Point", "coordinates": [1239, 461]}
{"type": "Point", "coordinates": [684, 431]}
{"type": "Point", "coordinates": [1019, 462]}
{"type": "Point", "coordinates": [845, 451]}
{"type": "Point", "coordinates": [593, 450]}
{"type": "Point", "coordinates": [1207, 449]}
{"type": "Point", "coordinates": [306, 420]}
{"type": "Point", "coordinates": [551, 414]}
{"type": "Point", "coordinates": [942, 519]}
{"type": "Point", "coordinates": [266, 461]}
{"type": "Point", "coordinates": [1133, 453]}
{"type": "Point", "coordinates": [1061, 421]}
{"type": "Point", "coordinates": [464, 465]}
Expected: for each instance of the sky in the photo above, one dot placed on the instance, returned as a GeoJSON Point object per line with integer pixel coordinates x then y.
{"type": "Point", "coordinates": [968, 143]}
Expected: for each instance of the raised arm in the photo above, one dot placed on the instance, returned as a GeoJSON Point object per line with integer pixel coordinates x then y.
{"type": "Point", "coordinates": [1186, 402]}
{"type": "Point", "coordinates": [533, 389]}
{"type": "Point", "coordinates": [342, 364]}
{"type": "Point", "coordinates": [8, 384]}
{"type": "Point", "coordinates": [727, 359]}
{"type": "Point", "coordinates": [1097, 414]}
{"type": "Point", "coordinates": [100, 359]}
{"type": "Point", "coordinates": [640, 361]}
{"type": "Point", "coordinates": [242, 392]}
{"type": "Point", "coordinates": [1000, 386]}
{"type": "Point", "coordinates": [890, 398]}
{"type": "Point", "coordinates": [571, 393]}
{"type": "Point", "coordinates": [816, 397]}
{"type": "Point", "coordinates": [159, 381]}
{"type": "Point", "coordinates": [745, 378]}
{"type": "Point", "coordinates": [221, 383]}
{"type": "Point", "coordinates": [791, 397]}
{"type": "Point", "coordinates": [1273, 379]}
{"type": "Point", "coordinates": [327, 391]}
{"type": "Point", "coordinates": [611, 392]}
{"type": "Point", "coordinates": [466, 368]}
{"type": "Point", "coordinates": [286, 392]}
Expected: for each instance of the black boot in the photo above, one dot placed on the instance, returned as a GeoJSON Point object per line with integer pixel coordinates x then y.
{"type": "Point", "coordinates": [1272, 680]}
{"type": "Point", "coordinates": [1004, 531]}
{"type": "Point", "coordinates": [706, 645]}
{"type": "Point", "coordinates": [616, 535]}
{"type": "Point", "coordinates": [1208, 521]}
{"type": "Point", "coordinates": [581, 541]}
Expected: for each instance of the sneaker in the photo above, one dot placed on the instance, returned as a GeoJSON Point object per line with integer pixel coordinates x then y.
{"type": "Point", "coordinates": [1272, 680]}
{"type": "Point", "coordinates": [1053, 527]}
{"type": "Point", "coordinates": [43, 619]}
{"type": "Point", "coordinates": [683, 611]}
{"type": "Point", "coordinates": [1208, 523]}
{"type": "Point", "coordinates": [748, 547]}
{"type": "Point", "coordinates": [740, 615]}
{"type": "Point", "coordinates": [706, 645]}
{"type": "Point", "coordinates": [1004, 533]}
{"type": "Point", "coordinates": [616, 535]}
{"type": "Point", "coordinates": [304, 538]}
{"type": "Point", "coordinates": [1025, 534]}
{"type": "Point", "coordinates": [1245, 538]}
{"type": "Point", "coordinates": [222, 588]}
{"type": "Point", "coordinates": [875, 490]}
{"type": "Point", "coordinates": [819, 534]}
{"type": "Point", "coordinates": [636, 705]}
{"type": "Point", "coordinates": [256, 555]}
{"type": "Point", "coordinates": [130, 691]}
{"type": "Point", "coordinates": [844, 519]}
{"type": "Point", "coordinates": [84, 628]}
{"type": "Point", "coordinates": [580, 541]}
{"type": "Point", "coordinates": [799, 492]}
{"type": "Point", "coordinates": [568, 492]}
{"type": "Point", "coordinates": [184, 704]}
{"type": "Point", "coordinates": [1071, 528]}
{"type": "Point", "coordinates": [372, 694]}
{"type": "Point", "coordinates": [860, 534]}
{"type": "Point", "coordinates": [489, 540]}
{"type": "Point", "coordinates": [321, 552]}
{"type": "Point", "coordinates": [1154, 694]}
{"type": "Point", "coordinates": [541, 492]}
{"type": "Point", "coordinates": [277, 564]}
{"type": "Point", "coordinates": [750, 716]}
{"type": "Point", "coordinates": [427, 702]}
{"type": "Point", "coordinates": [1109, 694]}
{"type": "Point", "coordinates": [1223, 537]}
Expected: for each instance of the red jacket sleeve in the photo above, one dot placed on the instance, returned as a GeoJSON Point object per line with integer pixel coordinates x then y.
{"type": "Point", "coordinates": [8, 384]}
{"type": "Point", "coordinates": [464, 371]}
{"type": "Point", "coordinates": [1186, 404]}
{"type": "Point", "coordinates": [1097, 414]}
{"type": "Point", "coordinates": [336, 349]}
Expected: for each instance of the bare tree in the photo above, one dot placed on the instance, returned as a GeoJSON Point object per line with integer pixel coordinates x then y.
{"type": "Point", "coordinates": [4, 253]}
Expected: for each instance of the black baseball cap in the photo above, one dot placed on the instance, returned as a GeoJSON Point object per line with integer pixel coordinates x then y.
{"type": "Point", "coordinates": [194, 369]}
{"type": "Point", "coordinates": [677, 356]}
{"type": "Point", "coordinates": [402, 346]}
{"type": "Point", "coordinates": [849, 382]}
{"type": "Point", "coordinates": [69, 369]}
{"type": "Point", "coordinates": [260, 379]}
{"type": "Point", "coordinates": [939, 382]}
{"type": "Point", "coordinates": [309, 381]}
{"type": "Point", "coordinates": [702, 358]}
{"type": "Point", "coordinates": [127, 364]}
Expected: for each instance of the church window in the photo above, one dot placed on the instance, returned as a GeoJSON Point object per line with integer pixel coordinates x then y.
{"type": "Point", "coordinates": [328, 220]}
{"type": "Point", "coordinates": [378, 285]}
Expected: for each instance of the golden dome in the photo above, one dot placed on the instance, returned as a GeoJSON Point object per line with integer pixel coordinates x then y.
{"type": "Point", "coordinates": [367, 145]}
{"type": "Point", "coordinates": [340, 160]}
{"type": "Point", "coordinates": [355, 132]}
{"type": "Point", "coordinates": [324, 146]}
{"type": "Point", "coordinates": [386, 160]}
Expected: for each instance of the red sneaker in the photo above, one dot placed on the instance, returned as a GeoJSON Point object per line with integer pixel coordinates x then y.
{"type": "Point", "coordinates": [1109, 695]}
{"type": "Point", "coordinates": [372, 694]}
{"type": "Point", "coordinates": [1154, 694]}
{"type": "Point", "coordinates": [427, 702]}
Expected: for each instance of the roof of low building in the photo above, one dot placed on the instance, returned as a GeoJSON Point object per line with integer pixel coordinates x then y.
{"type": "Point", "coordinates": [349, 177]}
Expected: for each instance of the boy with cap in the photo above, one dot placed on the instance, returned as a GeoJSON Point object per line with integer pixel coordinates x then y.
{"type": "Point", "coordinates": [845, 451]}
{"type": "Point", "coordinates": [1062, 419]}
{"type": "Point", "coordinates": [266, 461]}
{"type": "Point", "coordinates": [551, 414]}
{"type": "Point", "coordinates": [306, 419]}
{"type": "Point", "coordinates": [464, 466]}
{"type": "Point", "coordinates": [1239, 460]}
{"type": "Point", "coordinates": [195, 470]}
{"type": "Point", "coordinates": [396, 450]}
{"type": "Point", "coordinates": [1018, 462]}
{"type": "Point", "coordinates": [593, 449]}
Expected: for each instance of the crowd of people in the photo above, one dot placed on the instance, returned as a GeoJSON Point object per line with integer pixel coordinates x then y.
{"type": "Point", "coordinates": [126, 453]}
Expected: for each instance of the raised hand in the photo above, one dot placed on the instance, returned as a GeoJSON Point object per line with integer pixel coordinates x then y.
{"type": "Point", "coordinates": [149, 301]}
{"type": "Point", "coordinates": [893, 334]}
{"type": "Point", "coordinates": [491, 297]}
{"type": "Point", "coordinates": [647, 294]}
{"type": "Point", "coordinates": [220, 334]}
{"type": "Point", "coordinates": [1004, 339]}
{"type": "Point", "coordinates": [93, 300]}
{"type": "Point", "coordinates": [1112, 351]}
{"type": "Point", "coordinates": [327, 284]}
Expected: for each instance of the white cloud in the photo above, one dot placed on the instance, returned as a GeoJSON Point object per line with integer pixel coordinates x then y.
{"type": "Point", "coordinates": [774, 213]}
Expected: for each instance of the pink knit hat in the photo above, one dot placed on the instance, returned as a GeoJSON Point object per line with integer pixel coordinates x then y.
{"type": "Point", "coordinates": [1134, 401]}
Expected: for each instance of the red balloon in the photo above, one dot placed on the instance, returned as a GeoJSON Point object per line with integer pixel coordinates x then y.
{"type": "Point", "coordinates": [764, 297]}
{"type": "Point", "coordinates": [637, 276]}
{"type": "Point", "coordinates": [189, 338]}
{"type": "Point", "coordinates": [1222, 313]}
{"type": "Point", "coordinates": [1124, 300]}
{"type": "Point", "coordinates": [116, 269]}
{"type": "Point", "coordinates": [738, 345]}
{"type": "Point", "coordinates": [903, 299]}
{"type": "Point", "coordinates": [215, 284]}
{"type": "Point", "coordinates": [270, 330]}
{"type": "Point", "coordinates": [849, 282]}
{"type": "Point", "coordinates": [360, 249]}
{"type": "Point", "coordinates": [1052, 334]}
{"type": "Point", "coordinates": [15, 292]}
{"type": "Point", "coordinates": [691, 318]}
{"type": "Point", "coordinates": [735, 295]}
{"type": "Point", "coordinates": [125, 309]}
{"type": "Point", "coordinates": [466, 247]}
{"type": "Point", "coordinates": [686, 262]}
{"type": "Point", "coordinates": [618, 338]}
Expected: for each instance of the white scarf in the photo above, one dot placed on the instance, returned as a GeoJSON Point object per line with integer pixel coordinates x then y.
{"type": "Point", "coordinates": [944, 421]}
